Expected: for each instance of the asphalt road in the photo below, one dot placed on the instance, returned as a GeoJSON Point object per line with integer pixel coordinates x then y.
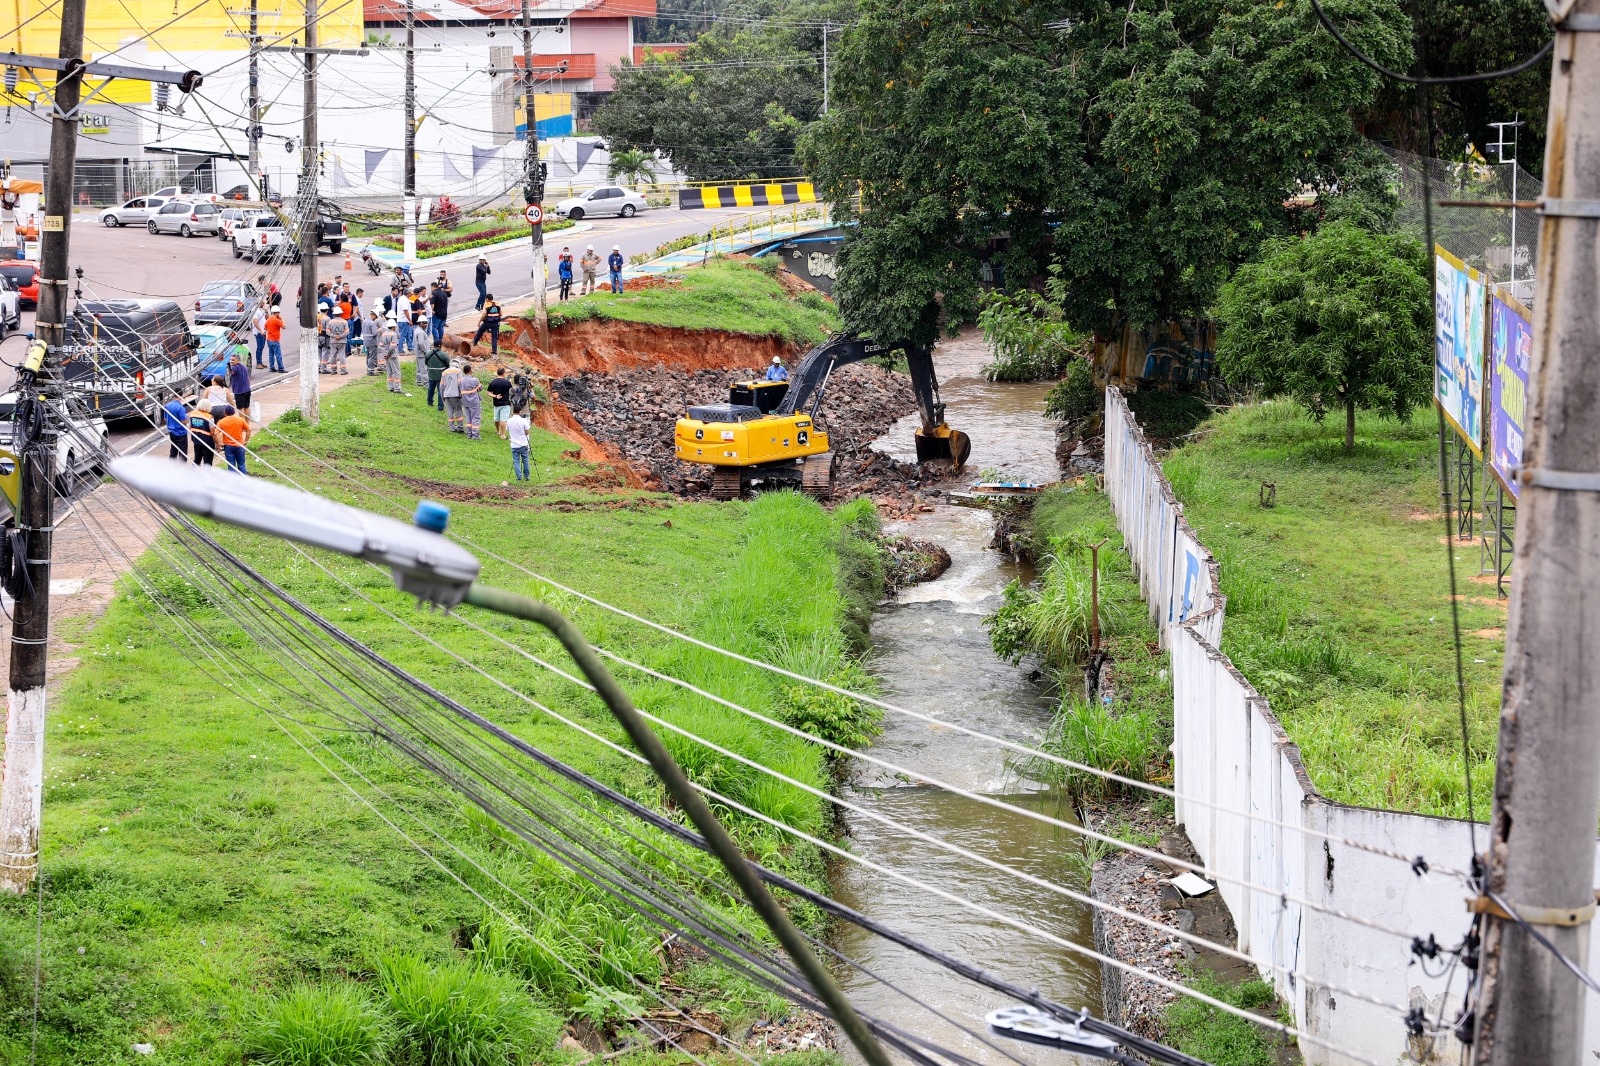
{"type": "Point", "coordinates": [130, 262]}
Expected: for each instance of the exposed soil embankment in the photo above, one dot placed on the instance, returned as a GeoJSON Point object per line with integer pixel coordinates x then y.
{"type": "Point", "coordinates": [633, 411]}
{"type": "Point", "coordinates": [601, 346]}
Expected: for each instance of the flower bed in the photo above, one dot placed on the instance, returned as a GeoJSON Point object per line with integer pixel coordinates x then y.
{"type": "Point", "coordinates": [461, 242]}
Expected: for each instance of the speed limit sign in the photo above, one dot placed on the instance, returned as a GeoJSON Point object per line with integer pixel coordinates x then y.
{"type": "Point", "coordinates": [534, 214]}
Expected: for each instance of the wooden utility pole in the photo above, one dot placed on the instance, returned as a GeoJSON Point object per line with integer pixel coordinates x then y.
{"type": "Point", "coordinates": [255, 100]}
{"type": "Point", "coordinates": [22, 773]}
{"type": "Point", "coordinates": [310, 217]}
{"type": "Point", "coordinates": [1547, 783]}
{"type": "Point", "coordinates": [533, 186]}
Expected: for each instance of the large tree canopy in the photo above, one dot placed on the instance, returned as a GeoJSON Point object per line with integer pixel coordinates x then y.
{"type": "Point", "coordinates": [1147, 147]}
{"type": "Point", "coordinates": [731, 105]}
{"type": "Point", "coordinates": [1337, 320]}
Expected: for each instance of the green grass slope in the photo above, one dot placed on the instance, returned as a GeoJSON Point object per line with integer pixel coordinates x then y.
{"type": "Point", "coordinates": [1338, 600]}
{"type": "Point", "coordinates": [208, 883]}
{"type": "Point", "coordinates": [727, 294]}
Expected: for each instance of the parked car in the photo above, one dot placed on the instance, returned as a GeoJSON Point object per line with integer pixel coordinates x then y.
{"type": "Point", "coordinates": [136, 212]}
{"type": "Point", "coordinates": [232, 217]}
{"type": "Point", "coordinates": [228, 302]}
{"type": "Point", "coordinates": [128, 357]}
{"type": "Point", "coordinates": [605, 200]}
{"type": "Point", "coordinates": [10, 308]}
{"type": "Point", "coordinates": [83, 445]}
{"type": "Point", "coordinates": [212, 354]}
{"type": "Point", "coordinates": [173, 191]}
{"type": "Point", "coordinates": [263, 237]}
{"type": "Point", "coordinates": [186, 218]}
{"type": "Point", "coordinates": [24, 277]}
{"type": "Point", "coordinates": [249, 192]}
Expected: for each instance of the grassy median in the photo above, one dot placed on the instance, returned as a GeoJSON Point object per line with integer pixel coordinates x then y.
{"type": "Point", "coordinates": [208, 886]}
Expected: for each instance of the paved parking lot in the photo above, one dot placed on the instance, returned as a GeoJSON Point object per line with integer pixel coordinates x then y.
{"type": "Point", "coordinates": [129, 262]}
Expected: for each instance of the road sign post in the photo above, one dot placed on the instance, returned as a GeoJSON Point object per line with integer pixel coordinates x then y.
{"type": "Point", "coordinates": [534, 214]}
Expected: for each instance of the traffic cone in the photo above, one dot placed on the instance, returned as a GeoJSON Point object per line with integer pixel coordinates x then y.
{"type": "Point", "coordinates": [349, 264]}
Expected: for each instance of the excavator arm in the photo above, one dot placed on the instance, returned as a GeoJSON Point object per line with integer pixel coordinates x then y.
{"type": "Point", "coordinates": [809, 382]}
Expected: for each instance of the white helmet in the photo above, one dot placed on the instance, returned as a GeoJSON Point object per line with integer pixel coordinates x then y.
{"type": "Point", "coordinates": [776, 361]}
{"type": "Point", "coordinates": [616, 247]}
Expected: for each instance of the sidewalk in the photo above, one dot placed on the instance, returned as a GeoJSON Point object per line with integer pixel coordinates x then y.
{"type": "Point", "coordinates": [105, 530]}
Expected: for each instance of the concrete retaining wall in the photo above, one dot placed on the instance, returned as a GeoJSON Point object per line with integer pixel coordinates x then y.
{"type": "Point", "coordinates": [1236, 773]}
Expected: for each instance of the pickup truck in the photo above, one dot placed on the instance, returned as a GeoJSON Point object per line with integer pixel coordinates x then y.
{"type": "Point", "coordinates": [261, 238]}
{"type": "Point", "coordinates": [83, 446]}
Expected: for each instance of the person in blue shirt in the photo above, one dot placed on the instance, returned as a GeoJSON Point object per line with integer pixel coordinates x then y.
{"type": "Point", "coordinates": [564, 272]}
{"type": "Point", "coordinates": [239, 383]}
{"type": "Point", "coordinates": [777, 372]}
{"type": "Point", "coordinates": [177, 416]}
{"type": "Point", "coordinates": [614, 263]}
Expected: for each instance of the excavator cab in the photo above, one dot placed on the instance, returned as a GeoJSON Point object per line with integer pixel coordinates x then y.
{"type": "Point", "coordinates": [764, 435]}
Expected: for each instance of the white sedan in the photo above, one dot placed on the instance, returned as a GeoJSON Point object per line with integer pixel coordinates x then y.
{"type": "Point", "coordinates": [136, 212]}
{"type": "Point", "coordinates": [605, 200]}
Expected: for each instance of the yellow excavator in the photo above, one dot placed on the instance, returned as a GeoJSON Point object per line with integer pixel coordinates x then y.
{"type": "Point", "coordinates": [765, 435]}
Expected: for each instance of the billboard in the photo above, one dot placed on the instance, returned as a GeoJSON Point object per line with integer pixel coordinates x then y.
{"type": "Point", "coordinates": [1510, 351]}
{"type": "Point", "coordinates": [1458, 336]}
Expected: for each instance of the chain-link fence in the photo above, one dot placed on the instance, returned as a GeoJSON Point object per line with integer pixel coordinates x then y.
{"type": "Point", "coordinates": [1502, 242]}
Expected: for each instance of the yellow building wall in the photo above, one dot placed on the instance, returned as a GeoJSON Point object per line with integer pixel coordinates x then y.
{"type": "Point", "coordinates": [113, 23]}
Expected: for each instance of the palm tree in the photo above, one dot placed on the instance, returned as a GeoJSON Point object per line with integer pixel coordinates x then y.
{"type": "Point", "coordinates": [631, 166]}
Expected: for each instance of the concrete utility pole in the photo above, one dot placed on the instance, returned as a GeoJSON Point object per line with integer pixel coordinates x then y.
{"type": "Point", "coordinates": [1547, 782]}
{"type": "Point", "coordinates": [310, 227]}
{"type": "Point", "coordinates": [533, 186]}
{"type": "Point", "coordinates": [409, 250]}
{"type": "Point", "coordinates": [22, 774]}
{"type": "Point", "coordinates": [255, 98]}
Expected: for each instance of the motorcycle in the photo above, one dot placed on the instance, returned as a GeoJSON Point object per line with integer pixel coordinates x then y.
{"type": "Point", "coordinates": [371, 260]}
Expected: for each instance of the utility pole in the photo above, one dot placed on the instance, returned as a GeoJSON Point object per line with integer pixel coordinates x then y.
{"type": "Point", "coordinates": [22, 774]}
{"type": "Point", "coordinates": [826, 26]}
{"type": "Point", "coordinates": [1547, 780]}
{"type": "Point", "coordinates": [409, 250]}
{"type": "Point", "coordinates": [533, 186]}
{"type": "Point", "coordinates": [255, 99]}
{"type": "Point", "coordinates": [310, 226]}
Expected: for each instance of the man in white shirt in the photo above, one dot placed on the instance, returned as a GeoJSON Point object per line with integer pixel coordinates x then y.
{"type": "Point", "coordinates": [517, 427]}
{"type": "Point", "coordinates": [258, 322]}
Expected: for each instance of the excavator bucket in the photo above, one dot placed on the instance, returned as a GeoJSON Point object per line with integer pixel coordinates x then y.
{"type": "Point", "coordinates": [943, 443]}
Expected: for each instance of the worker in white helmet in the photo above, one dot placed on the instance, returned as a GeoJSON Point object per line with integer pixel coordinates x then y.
{"type": "Point", "coordinates": [614, 264]}
{"type": "Point", "coordinates": [590, 263]}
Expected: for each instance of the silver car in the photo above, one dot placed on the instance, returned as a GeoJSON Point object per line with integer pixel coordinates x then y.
{"type": "Point", "coordinates": [229, 302]}
{"type": "Point", "coordinates": [605, 200]}
{"type": "Point", "coordinates": [136, 212]}
{"type": "Point", "coordinates": [186, 218]}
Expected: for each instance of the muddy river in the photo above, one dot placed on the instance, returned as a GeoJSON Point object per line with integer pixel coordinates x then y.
{"type": "Point", "coordinates": [932, 654]}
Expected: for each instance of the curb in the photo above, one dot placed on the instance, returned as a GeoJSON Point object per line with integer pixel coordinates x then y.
{"type": "Point", "coordinates": [391, 258]}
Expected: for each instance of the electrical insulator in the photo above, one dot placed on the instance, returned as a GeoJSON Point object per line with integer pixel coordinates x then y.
{"type": "Point", "coordinates": [163, 94]}
{"type": "Point", "coordinates": [11, 79]}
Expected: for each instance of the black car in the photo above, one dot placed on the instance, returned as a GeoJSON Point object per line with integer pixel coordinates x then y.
{"type": "Point", "coordinates": [129, 357]}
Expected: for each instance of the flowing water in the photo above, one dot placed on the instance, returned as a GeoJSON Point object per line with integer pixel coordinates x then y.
{"type": "Point", "coordinates": [932, 654]}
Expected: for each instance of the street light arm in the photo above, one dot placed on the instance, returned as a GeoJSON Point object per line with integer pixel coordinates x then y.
{"type": "Point", "coordinates": [684, 795]}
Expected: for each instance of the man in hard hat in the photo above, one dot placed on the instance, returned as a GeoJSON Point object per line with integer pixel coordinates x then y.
{"type": "Point", "coordinates": [614, 263]}
{"type": "Point", "coordinates": [589, 263]}
{"type": "Point", "coordinates": [777, 371]}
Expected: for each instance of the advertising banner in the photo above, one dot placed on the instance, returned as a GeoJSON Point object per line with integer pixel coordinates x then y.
{"type": "Point", "coordinates": [1458, 342]}
{"type": "Point", "coordinates": [1510, 349]}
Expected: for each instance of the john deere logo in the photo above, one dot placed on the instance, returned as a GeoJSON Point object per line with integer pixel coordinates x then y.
{"type": "Point", "coordinates": [804, 437]}
{"type": "Point", "coordinates": [699, 434]}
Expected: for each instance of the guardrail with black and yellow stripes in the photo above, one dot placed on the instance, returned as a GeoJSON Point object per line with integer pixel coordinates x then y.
{"type": "Point", "coordinates": [770, 194]}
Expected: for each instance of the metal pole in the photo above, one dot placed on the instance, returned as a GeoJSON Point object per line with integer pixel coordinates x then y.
{"type": "Point", "coordinates": [22, 783]}
{"type": "Point", "coordinates": [687, 799]}
{"type": "Point", "coordinates": [533, 187]}
{"type": "Point", "coordinates": [310, 224]}
{"type": "Point", "coordinates": [409, 243]}
{"type": "Point", "coordinates": [255, 99]}
{"type": "Point", "coordinates": [825, 68]}
{"type": "Point", "coordinates": [1541, 846]}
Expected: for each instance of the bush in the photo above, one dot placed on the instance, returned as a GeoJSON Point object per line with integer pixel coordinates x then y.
{"type": "Point", "coordinates": [1054, 619]}
{"type": "Point", "coordinates": [1029, 338]}
{"type": "Point", "coordinates": [1168, 413]}
{"type": "Point", "coordinates": [1092, 734]}
{"type": "Point", "coordinates": [445, 214]}
{"type": "Point", "coordinates": [768, 265]}
{"type": "Point", "coordinates": [319, 1025]}
{"type": "Point", "coordinates": [456, 1014]}
{"type": "Point", "coordinates": [1076, 396]}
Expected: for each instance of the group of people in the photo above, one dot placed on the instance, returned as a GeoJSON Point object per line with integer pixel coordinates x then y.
{"type": "Point", "coordinates": [455, 388]}
{"type": "Point", "coordinates": [590, 265]}
{"type": "Point", "coordinates": [219, 420]}
{"type": "Point", "coordinates": [344, 324]}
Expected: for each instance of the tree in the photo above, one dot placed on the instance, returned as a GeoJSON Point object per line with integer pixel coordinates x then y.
{"type": "Point", "coordinates": [631, 166]}
{"type": "Point", "coordinates": [730, 106]}
{"type": "Point", "coordinates": [1342, 318]}
{"type": "Point", "coordinates": [1146, 147]}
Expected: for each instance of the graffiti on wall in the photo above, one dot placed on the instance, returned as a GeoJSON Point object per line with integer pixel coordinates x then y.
{"type": "Point", "coordinates": [1178, 352]}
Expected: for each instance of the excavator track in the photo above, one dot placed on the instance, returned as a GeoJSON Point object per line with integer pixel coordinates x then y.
{"type": "Point", "coordinates": [816, 477]}
{"type": "Point", "coordinates": [727, 483]}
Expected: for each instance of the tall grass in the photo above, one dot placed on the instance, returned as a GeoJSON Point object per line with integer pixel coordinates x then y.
{"type": "Point", "coordinates": [457, 1014]}
{"type": "Point", "coordinates": [1125, 743]}
{"type": "Point", "coordinates": [1218, 1038]}
{"type": "Point", "coordinates": [319, 1025]}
